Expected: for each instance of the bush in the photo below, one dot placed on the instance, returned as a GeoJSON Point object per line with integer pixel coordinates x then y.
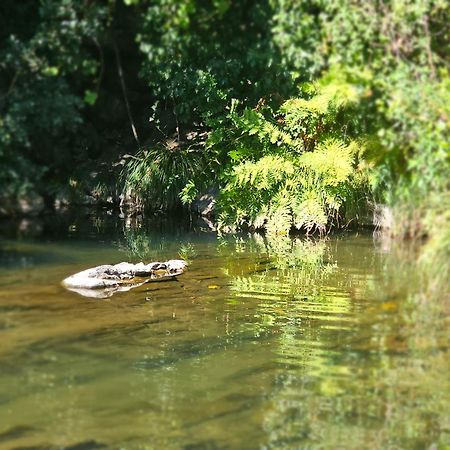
{"type": "Point", "coordinates": [294, 167]}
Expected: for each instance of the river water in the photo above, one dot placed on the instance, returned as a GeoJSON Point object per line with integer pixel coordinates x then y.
{"type": "Point", "coordinates": [287, 343]}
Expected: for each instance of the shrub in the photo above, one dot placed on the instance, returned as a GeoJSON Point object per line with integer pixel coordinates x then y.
{"type": "Point", "coordinates": [294, 167]}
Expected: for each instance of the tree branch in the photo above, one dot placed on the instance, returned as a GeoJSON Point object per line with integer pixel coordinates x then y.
{"type": "Point", "coordinates": [124, 92]}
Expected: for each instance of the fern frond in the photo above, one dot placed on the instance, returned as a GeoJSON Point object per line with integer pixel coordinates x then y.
{"type": "Point", "coordinates": [332, 161]}
{"type": "Point", "coordinates": [254, 123]}
{"type": "Point", "coordinates": [310, 214]}
{"type": "Point", "coordinates": [264, 173]}
{"type": "Point", "coordinates": [280, 221]}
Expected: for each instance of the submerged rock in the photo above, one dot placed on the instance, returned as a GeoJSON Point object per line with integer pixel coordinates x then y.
{"type": "Point", "coordinates": [103, 281]}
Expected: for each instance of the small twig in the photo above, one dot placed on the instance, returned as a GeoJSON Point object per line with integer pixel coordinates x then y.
{"type": "Point", "coordinates": [124, 92]}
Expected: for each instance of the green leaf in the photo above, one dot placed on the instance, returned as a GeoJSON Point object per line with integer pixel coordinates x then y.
{"type": "Point", "coordinates": [90, 97]}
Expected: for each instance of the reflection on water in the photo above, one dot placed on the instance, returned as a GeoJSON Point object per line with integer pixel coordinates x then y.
{"type": "Point", "coordinates": [262, 343]}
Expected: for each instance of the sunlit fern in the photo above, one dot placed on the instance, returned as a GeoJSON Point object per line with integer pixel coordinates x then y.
{"type": "Point", "coordinates": [302, 170]}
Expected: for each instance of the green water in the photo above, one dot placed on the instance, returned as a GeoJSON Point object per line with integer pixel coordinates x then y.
{"type": "Point", "coordinates": [261, 344]}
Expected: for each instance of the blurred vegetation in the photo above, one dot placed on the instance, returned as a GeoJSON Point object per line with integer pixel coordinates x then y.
{"type": "Point", "coordinates": [303, 114]}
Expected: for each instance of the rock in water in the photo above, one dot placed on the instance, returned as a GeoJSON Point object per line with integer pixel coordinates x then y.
{"type": "Point", "coordinates": [104, 281]}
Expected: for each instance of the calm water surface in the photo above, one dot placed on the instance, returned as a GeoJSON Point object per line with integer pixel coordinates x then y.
{"type": "Point", "coordinates": [261, 344]}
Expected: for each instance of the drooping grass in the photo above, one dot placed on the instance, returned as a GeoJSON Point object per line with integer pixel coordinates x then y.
{"type": "Point", "coordinates": [155, 177]}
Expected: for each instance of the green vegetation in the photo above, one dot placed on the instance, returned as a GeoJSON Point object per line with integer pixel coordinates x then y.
{"type": "Point", "coordinates": [303, 115]}
{"type": "Point", "coordinates": [155, 177]}
{"type": "Point", "coordinates": [294, 167]}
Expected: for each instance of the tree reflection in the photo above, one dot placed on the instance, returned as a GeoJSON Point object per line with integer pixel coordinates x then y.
{"type": "Point", "coordinates": [358, 342]}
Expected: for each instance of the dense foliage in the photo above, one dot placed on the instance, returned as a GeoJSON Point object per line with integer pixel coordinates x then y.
{"type": "Point", "coordinates": [198, 55]}
{"type": "Point", "coordinates": [46, 69]}
{"type": "Point", "coordinates": [295, 166]}
{"type": "Point", "coordinates": [302, 113]}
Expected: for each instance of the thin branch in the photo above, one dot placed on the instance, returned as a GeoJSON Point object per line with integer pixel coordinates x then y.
{"type": "Point", "coordinates": [124, 92]}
